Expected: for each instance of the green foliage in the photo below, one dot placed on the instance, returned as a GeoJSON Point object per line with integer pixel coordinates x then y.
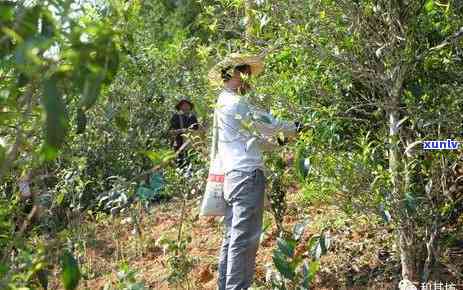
{"type": "Point", "coordinates": [6, 223]}
{"type": "Point", "coordinates": [297, 263]}
{"type": "Point", "coordinates": [53, 62]}
{"type": "Point", "coordinates": [353, 180]}
{"type": "Point", "coordinates": [81, 120]}
{"type": "Point", "coordinates": [73, 188]}
{"type": "Point", "coordinates": [160, 158]}
{"type": "Point", "coordinates": [70, 274]}
{"type": "Point", "coordinates": [180, 262]}
{"type": "Point", "coordinates": [68, 65]}
{"type": "Point", "coordinates": [302, 163]}
{"type": "Point", "coordinates": [277, 190]}
{"type": "Point", "coordinates": [55, 128]}
{"type": "Point", "coordinates": [127, 280]}
{"type": "Point", "coordinates": [30, 271]}
{"type": "Point", "coordinates": [118, 197]}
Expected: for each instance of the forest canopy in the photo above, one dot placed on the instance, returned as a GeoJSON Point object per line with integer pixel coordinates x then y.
{"type": "Point", "coordinates": [87, 90]}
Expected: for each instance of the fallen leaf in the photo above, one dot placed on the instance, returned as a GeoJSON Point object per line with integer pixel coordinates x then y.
{"type": "Point", "coordinates": [205, 275]}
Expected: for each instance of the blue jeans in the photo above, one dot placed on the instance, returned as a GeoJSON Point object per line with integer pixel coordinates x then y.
{"type": "Point", "coordinates": [244, 194]}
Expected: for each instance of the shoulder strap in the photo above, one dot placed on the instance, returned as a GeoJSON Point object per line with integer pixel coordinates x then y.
{"type": "Point", "coordinates": [215, 137]}
{"type": "Point", "coordinates": [180, 117]}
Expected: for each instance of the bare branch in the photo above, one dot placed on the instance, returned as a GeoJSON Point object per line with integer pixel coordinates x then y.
{"type": "Point", "coordinates": [449, 40]}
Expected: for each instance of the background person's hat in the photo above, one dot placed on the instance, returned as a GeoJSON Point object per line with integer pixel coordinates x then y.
{"type": "Point", "coordinates": [230, 62]}
{"type": "Point", "coordinates": [182, 100]}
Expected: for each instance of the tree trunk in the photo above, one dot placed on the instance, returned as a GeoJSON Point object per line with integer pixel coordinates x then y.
{"type": "Point", "coordinates": [408, 254]}
{"type": "Point", "coordinates": [395, 159]}
{"type": "Point", "coordinates": [431, 251]}
{"type": "Point", "coordinates": [406, 240]}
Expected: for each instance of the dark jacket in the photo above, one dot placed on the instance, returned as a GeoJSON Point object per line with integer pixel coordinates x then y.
{"type": "Point", "coordinates": [182, 121]}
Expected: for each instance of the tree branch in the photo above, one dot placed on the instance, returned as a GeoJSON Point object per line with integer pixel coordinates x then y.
{"type": "Point", "coordinates": [449, 40]}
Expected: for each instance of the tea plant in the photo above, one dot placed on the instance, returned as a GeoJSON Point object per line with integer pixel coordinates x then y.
{"type": "Point", "coordinates": [126, 280]}
{"type": "Point", "coordinates": [29, 271]}
{"type": "Point", "coordinates": [179, 261]}
{"type": "Point", "coordinates": [277, 192]}
{"type": "Point", "coordinates": [297, 262]}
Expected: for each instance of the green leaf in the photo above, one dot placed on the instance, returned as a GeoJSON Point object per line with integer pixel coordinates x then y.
{"type": "Point", "coordinates": [3, 269]}
{"type": "Point", "coordinates": [282, 265]}
{"type": "Point", "coordinates": [410, 202]}
{"type": "Point", "coordinates": [60, 198]}
{"type": "Point", "coordinates": [48, 25]}
{"type": "Point", "coordinates": [286, 247]}
{"type": "Point", "coordinates": [315, 247]}
{"type": "Point", "coordinates": [314, 267]}
{"type": "Point", "coordinates": [306, 278]}
{"type": "Point", "coordinates": [168, 156]}
{"type": "Point", "coordinates": [161, 157]}
{"type": "Point", "coordinates": [29, 23]}
{"type": "Point", "coordinates": [48, 153]}
{"type": "Point", "coordinates": [429, 6]}
{"type": "Point", "coordinates": [325, 242]}
{"type": "Point", "coordinates": [122, 120]}
{"type": "Point", "coordinates": [155, 157]}
{"type": "Point", "coordinates": [299, 229]}
{"type": "Point", "coordinates": [2, 155]}
{"type": "Point", "coordinates": [385, 214]}
{"type": "Point", "coordinates": [312, 270]}
{"type": "Point", "coordinates": [284, 56]}
{"type": "Point", "coordinates": [55, 123]}
{"type": "Point", "coordinates": [6, 11]}
{"type": "Point", "coordinates": [70, 274]}
{"type": "Point", "coordinates": [296, 261]}
{"type": "Point", "coordinates": [301, 163]}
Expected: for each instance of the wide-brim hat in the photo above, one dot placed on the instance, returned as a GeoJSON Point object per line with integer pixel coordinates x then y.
{"type": "Point", "coordinates": [184, 100]}
{"type": "Point", "coordinates": [256, 63]}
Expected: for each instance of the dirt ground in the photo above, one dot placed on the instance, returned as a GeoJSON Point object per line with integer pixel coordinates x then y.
{"type": "Point", "coordinates": [361, 255]}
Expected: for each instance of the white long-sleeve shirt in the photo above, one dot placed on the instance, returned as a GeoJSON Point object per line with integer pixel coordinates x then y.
{"type": "Point", "coordinates": [243, 132]}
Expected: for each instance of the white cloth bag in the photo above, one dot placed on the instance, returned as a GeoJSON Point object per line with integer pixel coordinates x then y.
{"type": "Point", "coordinates": [213, 203]}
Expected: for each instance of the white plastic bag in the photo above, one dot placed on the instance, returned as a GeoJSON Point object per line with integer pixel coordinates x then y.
{"type": "Point", "coordinates": [213, 203]}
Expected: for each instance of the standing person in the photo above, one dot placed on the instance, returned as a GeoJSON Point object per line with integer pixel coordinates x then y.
{"type": "Point", "coordinates": [242, 130]}
{"type": "Point", "coordinates": [182, 121]}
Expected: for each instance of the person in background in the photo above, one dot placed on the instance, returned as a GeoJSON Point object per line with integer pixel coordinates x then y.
{"type": "Point", "coordinates": [181, 122]}
{"type": "Point", "coordinates": [242, 133]}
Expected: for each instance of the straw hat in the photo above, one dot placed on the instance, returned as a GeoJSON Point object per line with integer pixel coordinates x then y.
{"type": "Point", "coordinates": [182, 100]}
{"type": "Point", "coordinates": [230, 62]}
